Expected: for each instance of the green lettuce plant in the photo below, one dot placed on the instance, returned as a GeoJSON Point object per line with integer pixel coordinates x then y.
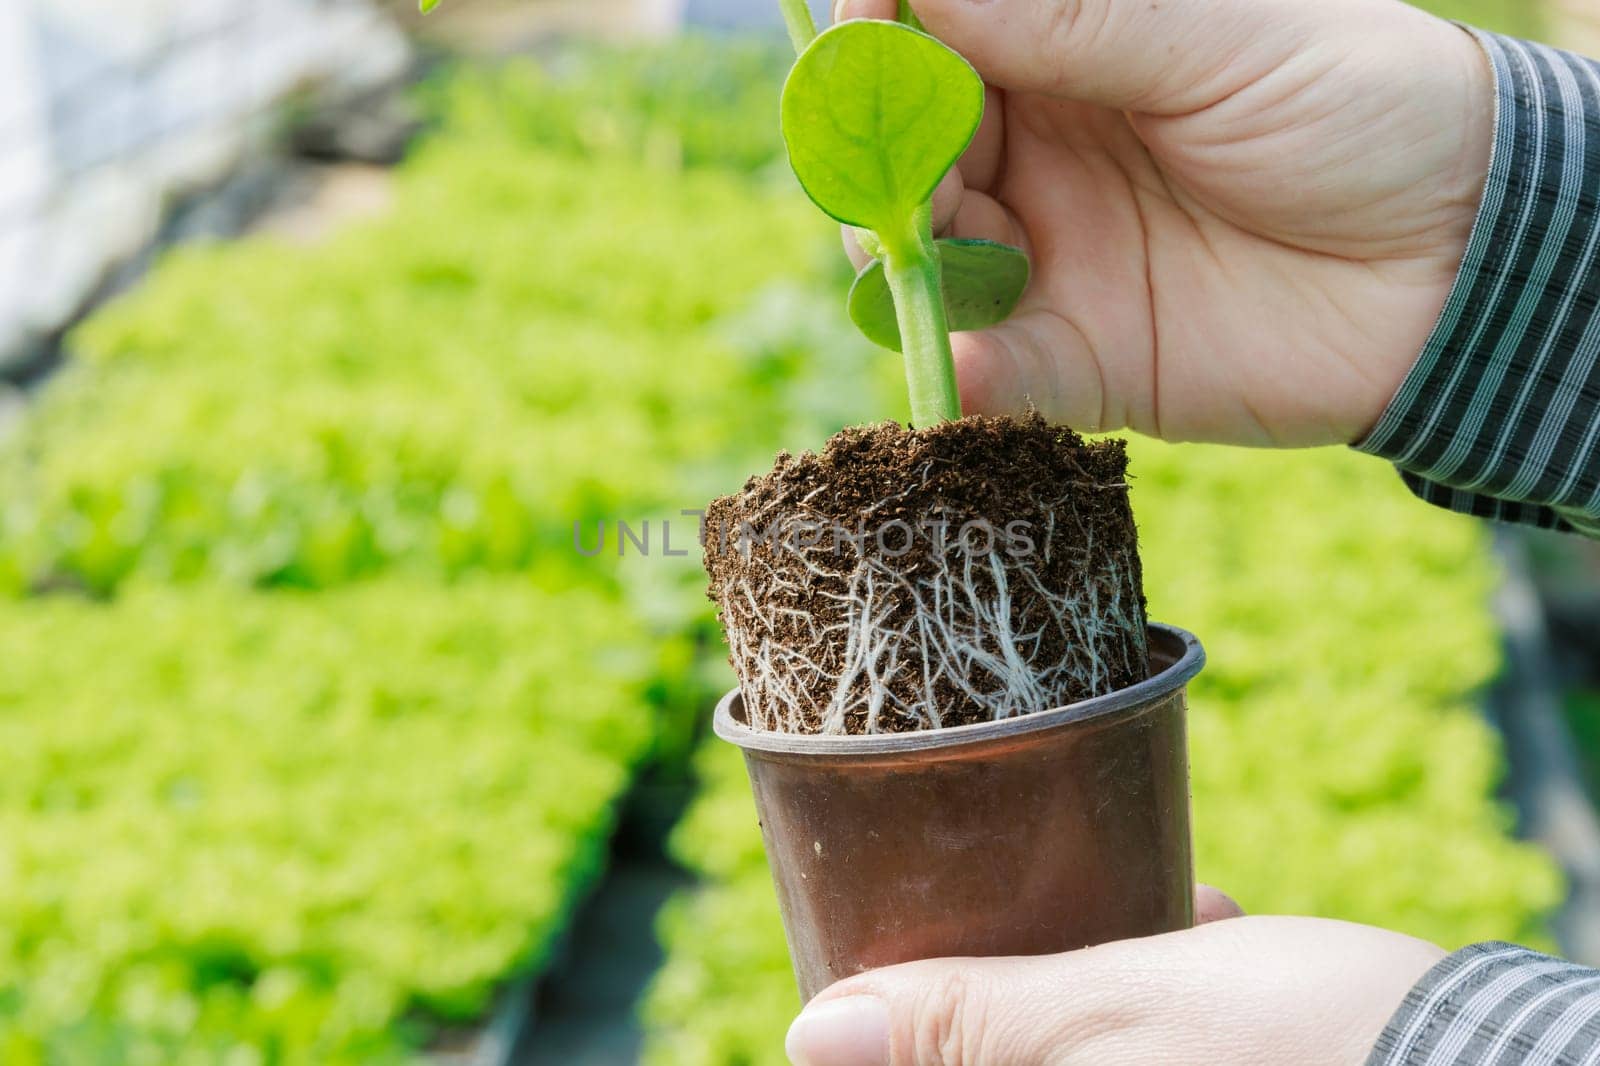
{"type": "Point", "coordinates": [301, 829]}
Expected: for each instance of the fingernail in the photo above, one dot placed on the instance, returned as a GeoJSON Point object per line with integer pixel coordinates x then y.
{"type": "Point", "coordinates": [838, 9]}
{"type": "Point", "coordinates": [853, 1031]}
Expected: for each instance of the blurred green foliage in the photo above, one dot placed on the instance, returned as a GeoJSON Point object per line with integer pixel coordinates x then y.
{"type": "Point", "coordinates": [1339, 765]}
{"type": "Point", "coordinates": [312, 719]}
{"type": "Point", "coordinates": [1350, 636]}
{"type": "Point", "coordinates": [704, 102]}
{"type": "Point", "coordinates": [1583, 718]}
{"type": "Point", "coordinates": [448, 390]}
{"type": "Point", "coordinates": [1522, 18]}
{"type": "Point", "coordinates": [244, 828]}
{"type": "Point", "coordinates": [556, 323]}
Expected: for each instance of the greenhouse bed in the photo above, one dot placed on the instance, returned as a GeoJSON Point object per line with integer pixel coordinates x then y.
{"type": "Point", "coordinates": [313, 823]}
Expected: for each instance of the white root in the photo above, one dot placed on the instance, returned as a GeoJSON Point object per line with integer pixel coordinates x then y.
{"type": "Point", "coordinates": [965, 630]}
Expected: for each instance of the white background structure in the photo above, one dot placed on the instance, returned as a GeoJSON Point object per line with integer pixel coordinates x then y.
{"type": "Point", "coordinates": [111, 108]}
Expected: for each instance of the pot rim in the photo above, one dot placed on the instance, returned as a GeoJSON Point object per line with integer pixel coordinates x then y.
{"type": "Point", "coordinates": [1190, 657]}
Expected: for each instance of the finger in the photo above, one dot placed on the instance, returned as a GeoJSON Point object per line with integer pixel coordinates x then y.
{"type": "Point", "coordinates": [980, 164]}
{"type": "Point", "coordinates": [947, 199]}
{"type": "Point", "coordinates": [1166, 58]}
{"type": "Point", "coordinates": [852, 247]}
{"type": "Point", "coordinates": [949, 1012]}
{"type": "Point", "coordinates": [981, 217]}
{"type": "Point", "coordinates": [1036, 359]}
{"type": "Point", "coordinates": [865, 9]}
{"type": "Point", "coordinates": [1214, 905]}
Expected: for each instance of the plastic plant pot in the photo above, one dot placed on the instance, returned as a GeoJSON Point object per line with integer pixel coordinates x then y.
{"type": "Point", "coordinates": [1037, 834]}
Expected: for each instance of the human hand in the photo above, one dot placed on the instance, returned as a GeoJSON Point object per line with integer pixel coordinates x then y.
{"type": "Point", "coordinates": [1243, 992]}
{"type": "Point", "coordinates": [1244, 215]}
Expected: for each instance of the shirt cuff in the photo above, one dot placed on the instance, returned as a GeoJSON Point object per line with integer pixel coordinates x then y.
{"type": "Point", "coordinates": [1496, 1004]}
{"type": "Point", "coordinates": [1500, 415]}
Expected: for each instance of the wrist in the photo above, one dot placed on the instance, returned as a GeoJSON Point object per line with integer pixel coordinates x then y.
{"type": "Point", "coordinates": [1473, 125]}
{"type": "Point", "coordinates": [1462, 179]}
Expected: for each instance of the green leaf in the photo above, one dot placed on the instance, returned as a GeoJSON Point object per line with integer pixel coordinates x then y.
{"type": "Point", "coordinates": [875, 114]}
{"type": "Point", "coordinates": [426, 6]}
{"type": "Point", "coordinates": [983, 281]}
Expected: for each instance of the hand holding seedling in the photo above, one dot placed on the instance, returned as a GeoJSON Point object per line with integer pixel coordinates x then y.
{"type": "Point", "coordinates": [1244, 216]}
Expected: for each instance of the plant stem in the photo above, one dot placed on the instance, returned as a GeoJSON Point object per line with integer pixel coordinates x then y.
{"type": "Point", "coordinates": [909, 17]}
{"type": "Point", "coordinates": [802, 27]}
{"type": "Point", "coordinates": [911, 266]}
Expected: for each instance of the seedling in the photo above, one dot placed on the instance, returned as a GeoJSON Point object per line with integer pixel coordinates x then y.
{"type": "Point", "coordinates": [874, 115]}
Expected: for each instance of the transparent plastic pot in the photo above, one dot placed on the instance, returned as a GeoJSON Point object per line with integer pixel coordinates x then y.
{"type": "Point", "coordinates": [1041, 833]}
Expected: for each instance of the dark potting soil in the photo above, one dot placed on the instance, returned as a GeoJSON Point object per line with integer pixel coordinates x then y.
{"type": "Point", "coordinates": [911, 579]}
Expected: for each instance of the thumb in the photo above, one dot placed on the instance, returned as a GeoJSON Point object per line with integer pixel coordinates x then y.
{"type": "Point", "coordinates": [1171, 57]}
{"type": "Point", "coordinates": [1214, 905]}
{"type": "Point", "coordinates": [949, 1012]}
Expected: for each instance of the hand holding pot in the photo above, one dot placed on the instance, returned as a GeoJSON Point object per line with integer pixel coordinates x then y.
{"type": "Point", "coordinates": [1244, 215]}
{"type": "Point", "coordinates": [1246, 992]}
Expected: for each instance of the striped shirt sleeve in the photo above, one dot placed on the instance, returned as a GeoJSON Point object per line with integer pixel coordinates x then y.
{"type": "Point", "coordinates": [1500, 415]}
{"type": "Point", "coordinates": [1497, 1005]}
